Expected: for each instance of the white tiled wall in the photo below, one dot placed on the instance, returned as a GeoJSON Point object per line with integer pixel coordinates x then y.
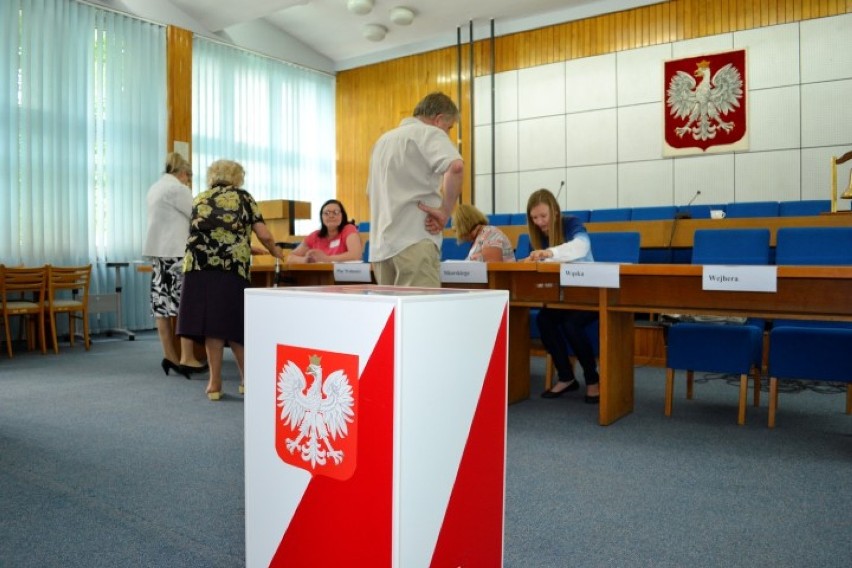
{"type": "Point", "coordinates": [597, 124]}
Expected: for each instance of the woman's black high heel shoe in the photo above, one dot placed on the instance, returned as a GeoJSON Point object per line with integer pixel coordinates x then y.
{"type": "Point", "coordinates": [167, 365]}
{"type": "Point", "coordinates": [187, 370]}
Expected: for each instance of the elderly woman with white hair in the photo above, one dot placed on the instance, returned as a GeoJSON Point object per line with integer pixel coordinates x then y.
{"type": "Point", "coordinates": [216, 267]}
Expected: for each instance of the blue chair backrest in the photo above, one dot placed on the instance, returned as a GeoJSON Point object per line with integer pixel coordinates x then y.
{"type": "Point", "coordinates": [804, 208]}
{"type": "Point", "coordinates": [499, 219]}
{"type": "Point", "coordinates": [518, 219]}
{"type": "Point", "coordinates": [451, 250]}
{"type": "Point", "coordinates": [814, 245]}
{"type": "Point", "coordinates": [582, 214]}
{"type": "Point", "coordinates": [695, 211]}
{"type": "Point", "coordinates": [731, 246]}
{"type": "Point", "coordinates": [523, 248]}
{"type": "Point", "coordinates": [365, 256]}
{"type": "Point", "coordinates": [615, 247]}
{"type": "Point", "coordinates": [364, 227]}
{"type": "Point", "coordinates": [604, 215]}
{"type": "Point", "coordinates": [653, 213]}
{"type": "Point", "coordinates": [751, 209]}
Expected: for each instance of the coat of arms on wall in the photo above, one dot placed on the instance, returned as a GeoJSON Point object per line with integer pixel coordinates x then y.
{"type": "Point", "coordinates": [706, 108]}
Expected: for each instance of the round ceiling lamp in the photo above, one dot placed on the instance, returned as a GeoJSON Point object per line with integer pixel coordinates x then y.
{"type": "Point", "coordinates": [401, 16]}
{"type": "Point", "coordinates": [360, 7]}
{"type": "Point", "coordinates": [375, 32]}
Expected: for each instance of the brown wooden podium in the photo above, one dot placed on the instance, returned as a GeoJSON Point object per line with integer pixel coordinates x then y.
{"type": "Point", "coordinates": [280, 216]}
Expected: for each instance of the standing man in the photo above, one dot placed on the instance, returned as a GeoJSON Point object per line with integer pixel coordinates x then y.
{"type": "Point", "coordinates": [407, 209]}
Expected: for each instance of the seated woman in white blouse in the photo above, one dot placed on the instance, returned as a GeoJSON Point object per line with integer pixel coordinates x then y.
{"type": "Point", "coordinates": [490, 244]}
{"type": "Point", "coordinates": [336, 240]}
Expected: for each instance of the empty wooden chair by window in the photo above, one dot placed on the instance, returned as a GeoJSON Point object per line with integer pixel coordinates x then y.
{"type": "Point", "coordinates": [22, 293]}
{"type": "Point", "coordinates": [68, 293]}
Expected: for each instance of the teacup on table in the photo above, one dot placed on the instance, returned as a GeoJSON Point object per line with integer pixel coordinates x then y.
{"type": "Point", "coordinates": [717, 214]}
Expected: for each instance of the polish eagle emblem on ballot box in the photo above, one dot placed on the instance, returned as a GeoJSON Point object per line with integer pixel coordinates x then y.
{"type": "Point", "coordinates": [705, 100]}
{"type": "Point", "coordinates": [316, 426]}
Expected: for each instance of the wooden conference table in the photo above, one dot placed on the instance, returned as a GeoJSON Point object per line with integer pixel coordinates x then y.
{"type": "Point", "coordinates": [803, 292]}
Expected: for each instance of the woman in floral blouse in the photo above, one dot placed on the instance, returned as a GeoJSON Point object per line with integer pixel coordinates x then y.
{"type": "Point", "coordinates": [490, 244]}
{"type": "Point", "coordinates": [216, 267]}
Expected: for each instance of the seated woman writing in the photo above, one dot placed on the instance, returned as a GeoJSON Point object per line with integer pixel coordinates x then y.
{"type": "Point", "coordinates": [490, 244]}
{"type": "Point", "coordinates": [336, 240]}
{"type": "Point", "coordinates": [563, 238]}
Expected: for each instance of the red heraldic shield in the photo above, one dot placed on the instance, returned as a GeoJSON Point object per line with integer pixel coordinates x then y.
{"type": "Point", "coordinates": [705, 100]}
{"type": "Point", "coordinates": [316, 411]}
{"type": "Point", "coordinates": [355, 513]}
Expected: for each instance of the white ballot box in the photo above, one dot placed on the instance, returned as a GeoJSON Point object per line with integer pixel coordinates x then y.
{"type": "Point", "coordinates": [375, 426]}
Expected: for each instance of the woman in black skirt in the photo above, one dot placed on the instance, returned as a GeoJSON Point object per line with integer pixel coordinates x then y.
{"type": "Point", "coordinates": [216, 267]}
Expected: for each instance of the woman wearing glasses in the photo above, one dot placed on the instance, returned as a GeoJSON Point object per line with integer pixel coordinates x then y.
{"type": "Point", "coordinates": [336, 240]}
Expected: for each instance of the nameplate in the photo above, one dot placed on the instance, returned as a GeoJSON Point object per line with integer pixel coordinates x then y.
{"type": "Point", "coordinates": [352, 272]}
{"type": "Point", "coordinates": [464, 272]}
{"type": "Point", "coordinates": [729, 278]}
{"type": "Point", "coordinates": [590, 274]}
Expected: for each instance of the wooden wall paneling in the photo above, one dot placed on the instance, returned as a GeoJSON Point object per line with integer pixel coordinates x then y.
{"type": "Point", "coordinates": [372, 99]}
{"type": "Point", "coordinates": [179, 86]}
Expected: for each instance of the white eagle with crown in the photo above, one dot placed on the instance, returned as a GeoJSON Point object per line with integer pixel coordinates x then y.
{"type": "Point", "coordinates": [319, 412]}
{"type": "Point", "coordinates": [704, 105]}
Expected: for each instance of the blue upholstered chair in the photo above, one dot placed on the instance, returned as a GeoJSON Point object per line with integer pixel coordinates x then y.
{"type": "Point", "coordinates": [517, 219]}
{"type": "Point", "coordinates": [584, 215]}
{"type": "Point", "coordinates": [605, 215]}
{"type": "Point", "coordinates": [364, 227]}
{"type": "Point", "coordinates": [804, 207]}
{"type": "Point", "coordinates": [523, 248]}
{"type": "Point", "coordinates": [615, 246]}
{"type": "Point", "coordinates": [365, 255]}
{"type": "Point", "coordinates": [720, 347]}
{"type": "Point", "coordinates": [811, 350]}
{"type": "Point", "coordinates": [653, 213]}
{"type": "Point", "coordinates": [751, 209]}
{"type": "Point", "coordinates": [451, 250]}
{"type": "Point", "coordinates": [500, 219]}
{"type": "Point", "coordinates": [694, 211]}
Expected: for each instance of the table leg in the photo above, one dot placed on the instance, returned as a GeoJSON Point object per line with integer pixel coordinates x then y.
{"type": "Point", "coordinates": [519, 354]}
{"type": "Point", "coordinates": [616, 363]}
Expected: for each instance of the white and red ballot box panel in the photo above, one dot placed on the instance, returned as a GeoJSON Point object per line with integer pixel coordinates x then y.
{"type": "Point", "coordinates": [375, 426]}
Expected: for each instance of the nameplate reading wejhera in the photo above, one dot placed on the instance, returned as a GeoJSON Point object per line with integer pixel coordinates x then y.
{"type": "Point", "coordinates": [728, 278]}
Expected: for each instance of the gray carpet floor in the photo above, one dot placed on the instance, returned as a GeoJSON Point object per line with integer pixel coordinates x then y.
{"type": "Point", "coordinates": [105, 461]}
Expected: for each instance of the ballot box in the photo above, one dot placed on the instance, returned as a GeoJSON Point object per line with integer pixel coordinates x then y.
{"type": "Point", "coordinates": [375, 426]}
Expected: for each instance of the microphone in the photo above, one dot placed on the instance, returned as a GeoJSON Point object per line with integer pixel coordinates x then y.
{"type": "Point", "coordinates": [687, 214]}
{"type": "Point", "coordinates": [678, 216]}
{"type": "Point", "coordinates": [558, 193]}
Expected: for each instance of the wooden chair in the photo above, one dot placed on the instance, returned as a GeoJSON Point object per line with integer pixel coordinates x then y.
{"type": "Point", "coordinates": [68, 293]}
{"type": "Point", "coordinates": [22, 293]}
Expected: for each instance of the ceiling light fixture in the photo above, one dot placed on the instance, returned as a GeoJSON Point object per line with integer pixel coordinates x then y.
{"type": "Point", "coordinates": [375, 32]}
{"type": "Point", "coordinates": [401, 16]}
{"type": "Point", "coordinates": [360, 7]}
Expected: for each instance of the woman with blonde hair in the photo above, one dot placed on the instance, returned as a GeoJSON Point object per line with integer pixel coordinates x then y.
{"type": "Point", "coordinates": [216, 267]}
{"type": "Point", "coordinates": [169, 206]}
{"type": "Point", "coordinates": [563, 238]}
{"type": "Point", "coordinates": [490, 244]}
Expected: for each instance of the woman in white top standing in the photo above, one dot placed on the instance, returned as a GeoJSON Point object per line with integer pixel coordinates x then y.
{"type": "Point", "coordinates": [169, 208]}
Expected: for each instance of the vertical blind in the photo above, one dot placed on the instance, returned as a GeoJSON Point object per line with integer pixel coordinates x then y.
{"type": "Point", "coordinates": [274, 118]}
{"type": "Point", "coordinates": [82, 137]}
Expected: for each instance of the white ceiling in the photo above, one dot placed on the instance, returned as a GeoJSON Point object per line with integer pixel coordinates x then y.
{"type": "Point", "coordinates": [327, 27]}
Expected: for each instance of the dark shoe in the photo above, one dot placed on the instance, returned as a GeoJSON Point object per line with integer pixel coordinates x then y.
{"type": "Point", "coordinates": [572, 386]}
{"type": "Point", "coordinates": [187, 370]}
{"type": "Point", "coordinates": [592, 399]}
{"type": "Point", "coordinates": [168, 365]}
